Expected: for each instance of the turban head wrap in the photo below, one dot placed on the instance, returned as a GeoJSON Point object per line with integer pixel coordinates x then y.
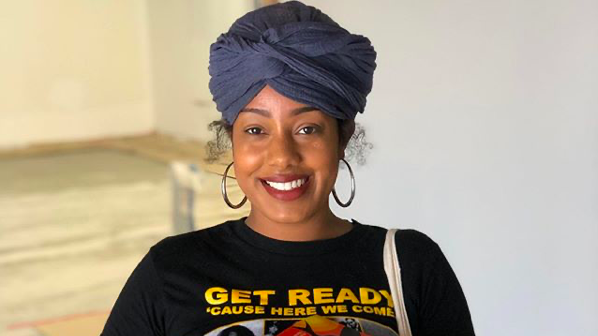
{"type": "Point", "coordinates": [298, 51]}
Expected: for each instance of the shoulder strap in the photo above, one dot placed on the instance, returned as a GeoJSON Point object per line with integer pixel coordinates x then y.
{"type": "Point", "coordinates": [393, 272]}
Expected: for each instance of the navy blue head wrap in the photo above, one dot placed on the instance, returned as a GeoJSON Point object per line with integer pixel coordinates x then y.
{"type": "Point", "coordinates": [297, 50]}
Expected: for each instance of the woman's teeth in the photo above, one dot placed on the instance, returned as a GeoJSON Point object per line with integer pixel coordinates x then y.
{"type": "Point", "coordinates": [287, 185]}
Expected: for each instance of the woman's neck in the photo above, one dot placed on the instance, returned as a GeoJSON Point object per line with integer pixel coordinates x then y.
{"type": "Point", "coordinates": [324, 225]}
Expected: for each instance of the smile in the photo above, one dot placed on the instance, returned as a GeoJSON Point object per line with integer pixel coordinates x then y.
{"type": "Point", "coordinates": [287, 185]}
{"type": "Point", "coordinates": [286, 191]}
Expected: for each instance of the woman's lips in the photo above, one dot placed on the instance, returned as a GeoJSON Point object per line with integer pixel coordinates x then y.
{"type": "Point", "coordinates": [287, 195]}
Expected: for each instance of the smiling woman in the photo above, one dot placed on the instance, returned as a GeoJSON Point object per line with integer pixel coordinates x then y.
{"type": "Point", "coordinates": [289, 82]}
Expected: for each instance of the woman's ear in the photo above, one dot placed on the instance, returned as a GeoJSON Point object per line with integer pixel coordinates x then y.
{"type": "Point", "coordinates": [346, 130]}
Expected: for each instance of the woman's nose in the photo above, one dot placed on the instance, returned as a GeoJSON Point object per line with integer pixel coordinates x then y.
{"type": "Point", "coordinates": [283, 152]}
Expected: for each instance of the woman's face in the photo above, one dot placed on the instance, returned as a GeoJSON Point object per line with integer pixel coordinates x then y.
{"type": "Point", "coordinates": [286, 157]}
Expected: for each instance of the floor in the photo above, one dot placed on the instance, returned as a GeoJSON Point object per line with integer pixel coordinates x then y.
{"type": "Point", "coordinates": [75, 219]}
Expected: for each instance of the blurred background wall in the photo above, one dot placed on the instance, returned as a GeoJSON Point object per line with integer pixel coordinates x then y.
{"type": "Point", "coordinates": [483, 118]}
{"type": "Point", "coordinates": [73, 70]}
{"type": "Point", "coordinates": [76, 70]}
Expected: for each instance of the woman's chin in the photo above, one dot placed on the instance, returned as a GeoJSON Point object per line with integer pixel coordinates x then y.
{"type": "Point", "coordinates": [283, 214]}
{"type": "Point", "coordinates": [289, 217]}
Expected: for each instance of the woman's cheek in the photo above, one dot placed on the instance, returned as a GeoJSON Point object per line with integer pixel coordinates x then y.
{"type": "Point", "coordinates": [247, 163]}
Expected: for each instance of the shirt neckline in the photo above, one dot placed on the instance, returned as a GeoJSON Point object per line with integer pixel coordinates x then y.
{"type": "Point", "coordinates": [313, 247]}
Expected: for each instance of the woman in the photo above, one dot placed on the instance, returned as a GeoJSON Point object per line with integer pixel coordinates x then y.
{"type": "Point", "coordinates": [289, 82]}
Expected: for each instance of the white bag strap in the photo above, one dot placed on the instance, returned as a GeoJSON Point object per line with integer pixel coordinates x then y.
{"type": "Point", "coordinates": [393, 272]}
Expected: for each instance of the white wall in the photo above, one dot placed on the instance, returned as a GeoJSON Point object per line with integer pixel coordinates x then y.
{"type": "Point", "coordinates": [181, 33]}
{"type": "Point", "coordinates": [72, 70]}
{"type": "Point", "coordinates": [484, 117]}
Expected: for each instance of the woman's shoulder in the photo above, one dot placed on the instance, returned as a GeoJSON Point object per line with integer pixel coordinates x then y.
{"type": "Point", "coordinates": [192, 242]}
{"type": "Point", "coordinates": [415, 240]}
{"type": "Point", "coordinates": [412, 245]}
{"type": "Point", "coordinates": [408, 238]}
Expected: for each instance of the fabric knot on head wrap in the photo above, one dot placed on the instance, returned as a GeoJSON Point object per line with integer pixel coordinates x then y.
{"type": "Point", "coordinates": [297, 50]}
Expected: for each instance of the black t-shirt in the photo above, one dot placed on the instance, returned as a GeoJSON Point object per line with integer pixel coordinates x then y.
{"type": "Point", "coordinates": [229, 280]}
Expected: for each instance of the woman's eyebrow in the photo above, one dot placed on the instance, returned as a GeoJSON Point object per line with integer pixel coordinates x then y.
{"type": "Point", "coordinates": [266, 113]}
{"type": "Point", "coordinates": [303, 109]}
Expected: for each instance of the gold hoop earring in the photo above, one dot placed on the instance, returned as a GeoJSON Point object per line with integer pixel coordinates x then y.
{"type": "Point", "coordinates": [338, 201]}
{"type": "Point", "coordinates": [223, 190]}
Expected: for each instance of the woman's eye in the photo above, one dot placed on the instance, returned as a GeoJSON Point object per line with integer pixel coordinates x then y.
{"type": "Point", "coordinates": [254, 130]}
{"type": "Point", "coordinates": [307, 130]}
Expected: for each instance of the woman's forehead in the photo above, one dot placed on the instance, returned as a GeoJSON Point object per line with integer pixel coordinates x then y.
{"type": "Point", "coordinates": [272, 104]}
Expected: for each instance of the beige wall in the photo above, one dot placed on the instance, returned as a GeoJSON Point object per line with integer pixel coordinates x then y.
{"type": "Point", "coordinates": [181, 33]}
{"type": "Point", "coordinates": [72, 70]}
{"type": "Point", "coordinates": [77, 70]}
